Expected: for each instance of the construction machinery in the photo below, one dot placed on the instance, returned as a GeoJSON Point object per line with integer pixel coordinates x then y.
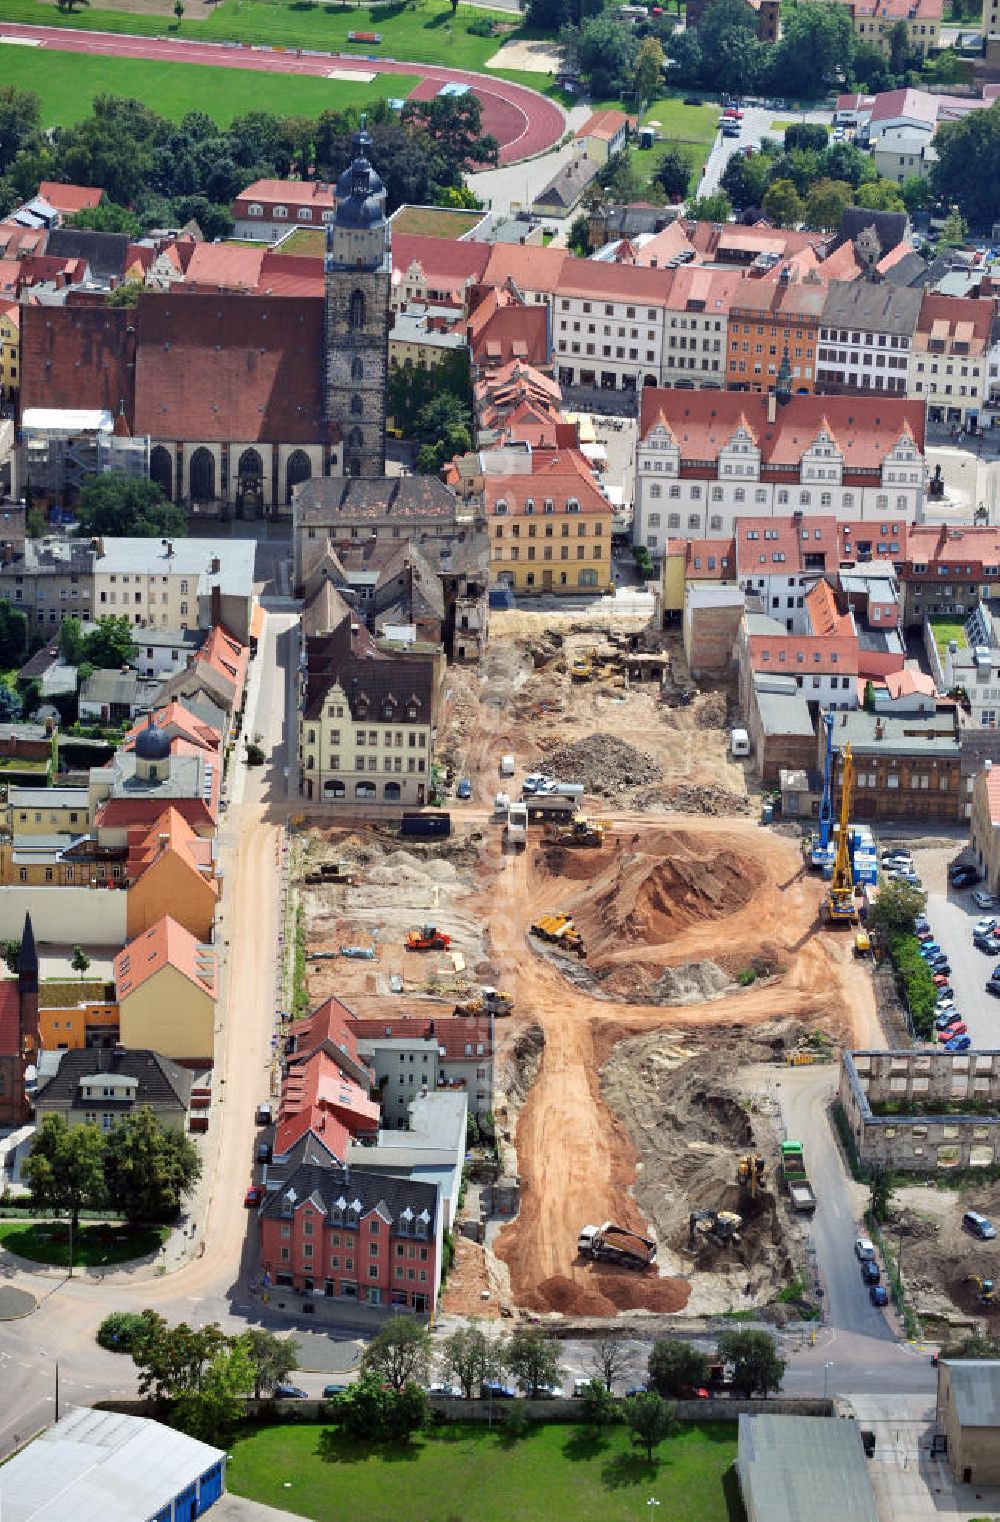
{"type": "Point", "coordinates": [750, 1175]}
{"type": "Point", "coordinates": [581, 669]}
{"type": "Point", "coordinates": [862, 942]}
{"type": "Point", "coordinates": [582, 832]}
{"type": "Point", "coordinates": [559, 930]}
{"type": "Point", "coordinates": [986, 1292]}
{"type": "Point", "coordinates": [793, 1176]}
{"type": "Point", "coordinates": [427, 938]}
{"type": "Point", "coordinates": [515, 831]}
{"type": "Point", "coordinates": [723, 1226]}
{"type": "Point", "coordinates": [490, 1002]}
{"type": "Point", "coordinates": [616, 1244]}
{"type": "Point", "coordinates": [840, 906]}
{"type": "Point", "coordinates": [822, 849]}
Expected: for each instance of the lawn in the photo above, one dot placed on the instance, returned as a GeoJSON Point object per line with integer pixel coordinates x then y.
{"type": "Point", "coordinates": [94, 1246]}
{"type": "Point", "coordinates": [435, 221]}
{"type": "Point", "coordinates": [945, 629]}
{"type": "Point", "coordinates": [425, 34]}
{"type": "Point", "coordinates": [304, 240]}
{"type": "Point", "coordinates": [553, 1474]}
{"type": "Point", "coordinates": [646, 161]}
{"type": "Point", "coordinates": [692, 129]}
{"type": "Point", "coordinates": [68, 82]}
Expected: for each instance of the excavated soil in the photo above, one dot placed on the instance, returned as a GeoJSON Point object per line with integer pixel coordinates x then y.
{"type": "Point", "coordinates": [938, 1256]}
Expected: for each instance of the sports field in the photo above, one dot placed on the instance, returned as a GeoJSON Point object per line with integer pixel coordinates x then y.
{"type": "Point", "coordinates": [68, 82]}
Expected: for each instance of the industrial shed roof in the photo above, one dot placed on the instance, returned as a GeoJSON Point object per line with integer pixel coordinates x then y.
{"type": "Point", "coordinates": [804, 1469]}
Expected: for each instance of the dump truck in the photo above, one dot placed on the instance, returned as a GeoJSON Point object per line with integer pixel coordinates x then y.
{"type": "Point", "coordinates": [515, 831]}
{"type": "Point", "coordinates": [616, 1244]}
{"type": "Point", "coordinates": [581, 833]}
{"type": "Point", "coordinates": [490, 1002]}
{"type": "Point", "coordinates": [427, 938]}
{"type": "Point", "coordinates": [559, 930]}
{"type": "Point", "coordinates": [793, 1176]}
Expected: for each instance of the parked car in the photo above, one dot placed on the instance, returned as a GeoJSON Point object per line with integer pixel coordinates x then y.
{"type": "Point", "coordinates": [993, 987]}
{"type": "Point", "coordinates": [904, 875]}
{"type": "Point", "coordinates": [532, 781]}
{"type": "Point", "coordinates": [452, 1392]}
{"type": "Point", "coordinates": [289, 1392]}
{"type": "Point", "coordinates": [253, 1196]}
{"type": "Point", "coordinates": [548, 1392]}
{"type": "Point", "coordinates": [878, 1295]}
{"type": "Point", "coordinates": [983, 899]}
{"type": "Point", "coordinates": [947, 1018]}
{"type": "Point", "coordinates": [958, 1044]}
{"type": "Point", "coordinates": [637, 1390]}
{"type": "Point", "coordinates": [864, 1249]}
{"type": "Point", "coordinates": [980, 1225]}
{"type": "Point", "coordinates": [941, 983]}
{"type": "Point", "coordinates": [493, 1388]}
{"type": "Point", "coordinates": [464, 789]}
{"type": "Point", "coordinates": [870, 1271]}
{"type": "Point", "coordinates": [896, 858]}
{"type": "Point", "coordinates": [930, 949]}
{"type": "Point", "coordinates": [985, 926]}
{"type": "Point", "coordinates": [940, 965]}
{"type": "Point", "coordinates": [689, 100]}
{"type": "Point", "coordinates": [334, 1392]}
{"type": "Point", "coordinates": [988, 943]}
{"type": "Point", "coordinates": [956, 1028]}
{"type": "Point", "coordinates": [964, 875]}
{"type": "Point", "coordinates": [925, 935]}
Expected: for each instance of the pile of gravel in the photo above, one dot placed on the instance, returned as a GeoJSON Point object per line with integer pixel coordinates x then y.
{"type": "Point", "coordinates": [604, 764]}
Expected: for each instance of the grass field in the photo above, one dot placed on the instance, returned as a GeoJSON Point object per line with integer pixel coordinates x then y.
{"type": "Point", "coordinates": [555, 1473]}
{"type": "Point", "coordinates": [436, 221]}
{"type": "Point", "coordinates": [68, 82]}
{"type": "Point", "coordinates": [304, 240]}
{"type": "Point", "coordinates": [692, 129]}
{"type": "Point", "coordinates": [945, 629]}
{"type": "Point", "coordinates": [93, 1246]}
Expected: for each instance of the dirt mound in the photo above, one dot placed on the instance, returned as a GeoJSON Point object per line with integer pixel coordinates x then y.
{"type": "Point", "coordinates": [711, 711]}
{"type": "Point", "coordinates": [680, 891]}
{"type": "Point", "coordinates": [691, 983]}
{"type": "Point", "coordinates": [685, 798]}
{"type": "Point", "coordinates": [604, 764]}
{"type": "Point", "coordinates": [603, 1293]}
{"type": "Point", "coordinates": [525, 1060]}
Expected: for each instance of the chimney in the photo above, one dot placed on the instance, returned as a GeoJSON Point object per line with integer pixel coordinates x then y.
{"type": "Point", "coordinates": [772, 407]}
{"type": "Point", "coordinates": [216, 604]}
{"type": "Point", "coordinates": [216, 565]}
{"type": "Point", "coordinates": [879, 729]}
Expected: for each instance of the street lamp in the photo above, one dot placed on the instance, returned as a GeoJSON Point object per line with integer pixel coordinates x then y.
{"type": "Point", "coordinates": [826, 1378]}
{"type": "Point", "coordinates": [651, 1503]}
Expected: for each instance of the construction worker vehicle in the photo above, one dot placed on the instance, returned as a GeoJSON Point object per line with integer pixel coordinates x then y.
{"type": "Point", "coordinates": [581, 832]}
{"type": "Point", "coordinates": [793, 1176]}
{"type": "Point", "coordinates": [986, 1291]}
{"type": "Point", "coordinates": [862, 942]}
{"type": "Point", "coordinates": [616, 1244]}
{"type": "Point", "coordinates": [750, 1175]}
{"type": "Point", "coordinates": [723, 1226]}
{"type": "Point", "coordinates": [582, 669]}
{"type": "Point", "coordinates": [427, 938]}
{"type": "Point", "coordinates": [840, 906]}
{"type": "Point", "coordinates": [515, 831]}
{"type": "Point", "coordinates": [489, 1002]}
{"type": "Point", "coordinates": [559, 930]}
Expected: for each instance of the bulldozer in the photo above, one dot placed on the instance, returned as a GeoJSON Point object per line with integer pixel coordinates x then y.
{"type": "Point", "coordinates": [750, 1175]}
{"type": "Point", "coordinates": [559, 930]}
{"type": "Point", "coordinates": [987, 1294]}
{"type": "Point", "coordinates": [427, 938]}
{"type": "Point", "coordinates": [491, 1001]}
{"type": "Point", "coordinates": [723, 1226]}
{"type": "Point", "coordinates": [581, 832]}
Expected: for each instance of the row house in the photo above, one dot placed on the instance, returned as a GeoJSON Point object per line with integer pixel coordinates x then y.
{"type": "Point", "coordinates": [950, 358]}
{"type": "Point", "coordinates": [824, 667]}
{"type": "Point", "coordinates": [609, 325]}
{"type": "Point", "coordinates": [550, 527]}
{"type": "Point", "coordinates": [866, 336]}
{"type": "Point", "coordinates": [271, 209]}
{"type": "Point", "coordinates": [779, 559]}
{"type": "Point", "coordinates": [768, 320]}
{"type": "Point", "coordinates": [704, 459]}
{"type": "Point", "coordinates": [415, 1055]}
{"type": "Point", "coordinates": [948, 571]}
{"type": "Point", "coordinates": [906, 766]}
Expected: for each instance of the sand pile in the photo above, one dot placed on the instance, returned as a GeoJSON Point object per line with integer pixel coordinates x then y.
{"type": "Point", "coordinates": [677, 892]}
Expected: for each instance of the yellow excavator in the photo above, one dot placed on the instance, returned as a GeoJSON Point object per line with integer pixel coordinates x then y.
{"type": "Point", "coordinates": [840, 906]}
{"type": "Point", "coordinates": [723, 1226]}
{"type": "Point", "coordinates": [987, 1294]}
{"type": "Point", "coordinates": [750, 1175]}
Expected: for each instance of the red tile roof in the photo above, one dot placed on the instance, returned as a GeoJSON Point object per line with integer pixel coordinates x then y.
{"type": "Point", "coordinates": [604, 125]}
{"type": "Point", "coordinates": [825, 616]}
{"type": "Point", "coordinates": [291, 193]}
{"type": "Point", "coordinates": [228, 658]}
{"type": "Point", "coordinates": [68, 199]}
{"type": "Point", "coordinates": [502, 329]}
{"type": "Point", "coordinates": [290, 275]}
{"type": "Point", "coordinates": [317, 1095]}
{"type": "Point", "coordinates": [805, 654]}
{"type": "Point", "coordinates": [225, 266]}
{"type": "Point", "coordinates": [706, 559]}
{"type": "Point", "coordinates": [938, 544]}
{"type": "Point", "coordinates": [446, 263]}
{"type": "Point", "coordinates": [779, 544]}
{"type": "Point", "coordinates": [16, 240]}
{"type": "Point", "coordinates": [122, 813]}
{"type": "Point", "coordinates": [171, 832]}
{"type": "Point", "coordinates": [531, 269]}
{"type": "Point", "coordinates": [178, 722]}
{"type": "Point", "coordinates": [993, 794]}
{"type": "Point", "coordinates": [165, 944]}
{"type": "Point", "coordinates": [78, 357]}
{"type": "Point", "coordinates": [453, 1033]}
{"type": "Point", "coordinates": [865, 531]}
{"type": "Point", "coordinates": [10, 1018]}
{"type": "Point", "coordinates": [559, 474]}
{"type": "Point", "coordinates": [905, 683]}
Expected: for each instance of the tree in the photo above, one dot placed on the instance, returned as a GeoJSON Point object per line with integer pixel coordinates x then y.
{"type": "Point", "coordinates": [20, 120]}
{"type": "Point", "coordinates": [745, 181]}
{"type": "Point", "coordinates": [532, 1357]}
{"type": "Point", "coordinates": [71, 640]}
{"type": "Point", "coordinates": [599, 1408]}
{"type": "Point", "coordinates": [826, 203]}
{"type": "Point", "coordinates": [605, 53]}
{"type": "Point", "coordinates": [676, 1366]}
{"type": "Point", "coordinates": [816, 50]}
{"type": "Point", "coordinates": [108, 217]}
{"type": "Point", "coordinates": [610, 1360]}
{"type": "Point", "coordinates": [211, 1411]}
{"type": "Point", "coordinates": [172, 1360]}
{"type": "Point", "coordinates": [879, 195]}
{"type": "Point", "coordinates": [955, 230]}
{"type": "Point", "coordinates": [65, 1168]}
{"type": "Point", "coordinates": [897, 908]}
{"type": "Point", "coordinates": [399, 1353]}
{"type": "Point", "coordinates": [618, 178]}
{"type": "Point", "coordinates": [272, 1359]}
{"type": "Point", "coordinates": [716, 207]}
{"type": "Point", "coordinates": [881, 1194]}
{"type": "Point", "coordinates": [916, 193]}
{"type": "Point", "coordinates": [806, 135]}
{"type": "Point", "coordinates": [117, 1330]}
{"type": "Point", "coordinates": [110, 645]}
{"type": "Point", "coordinates": [371, 1411]}
{"type": "Point", "coordinates": [649, 64]}
{"type": "Point", "coordinates": [673, 174]}
{"type": "Point", "coordinates": [967, 173]}
{"type": "Point", "coordinates": [650, 1420]}
{"type": "Point", "coordinates": [179, 10]}
{"type": "Point", "coordinates": [13, 634]}
{"type": "Point", "coordinates": [472, 1356]}
{"type": "Point", "coordinates": [754, 1359]}
{"type": "Point", "coordinates": [149, 1168]}
{"type": "Point", "coordinates": [578, 237]}
{"type": "Point", "coordinates": [442, 430]}
{"type": "Point", "coordinates": [80, 961]}
{"type": "Point", "coordinates": [10, 704]}
{"type": "Point", "coordinates": [783, 203]}
{"type": "Point", "coordinates": [113, 503]}
{"type": "Point", "coordinates": [10, 951]}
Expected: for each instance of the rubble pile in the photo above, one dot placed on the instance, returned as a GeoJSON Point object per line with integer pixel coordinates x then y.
{"type": "Point", "coordinates": [714, 799]}
{"type": "Point", "coordinates": [604, 764]}
{"type": "Point", "coordinates": [711, 711]}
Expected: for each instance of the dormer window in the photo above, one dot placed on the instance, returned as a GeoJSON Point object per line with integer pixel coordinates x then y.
{"type": "Point", "coordinates": [501, 508]}
{"type": "Point", "coordinates": [529, 505]}
{"type": "Point", "coordinates": [389, 708]}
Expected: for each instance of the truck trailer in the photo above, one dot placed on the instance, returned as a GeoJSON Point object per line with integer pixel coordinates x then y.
{"type": "Point", "coordinates": [616, 1244]}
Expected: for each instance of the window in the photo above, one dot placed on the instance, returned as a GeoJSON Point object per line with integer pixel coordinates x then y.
{"type": "Point", "coordinates": [356, 310]}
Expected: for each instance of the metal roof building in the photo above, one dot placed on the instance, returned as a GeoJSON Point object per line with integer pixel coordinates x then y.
{"type": "Point", "coordinates": [803, 1469]}
{"type": "Point", "coordinates": [103, 1466]}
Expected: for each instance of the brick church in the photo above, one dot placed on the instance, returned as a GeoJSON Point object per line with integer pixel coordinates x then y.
{"type": "Point", "coordinates": [18, 1032]}
{"type": "Point", "coordinates": [242, 396]}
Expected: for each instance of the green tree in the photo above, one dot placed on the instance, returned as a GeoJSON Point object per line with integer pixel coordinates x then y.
{"type": "Point", "coordinates": [673, 174]}
{"type": "Point", "coordinates": [113, 503]}
{"type": "Point", "coordinates": [13, 635]}
{"type": "Point", "coordinates": [967, 172]}
{"type": "Point", "coordinates": [399, 1353]}
{"type": "Point", "coordinates": [651, 1420]}
{"type": "Point", "coordinates": [810, 136]}
{"type": "Point", "coordinates": [757, 1367]}
{"type": "Point", "coordinates": [211, 1411]}
{"type": "Point", "coordinates": [110, 644]}
{"type": "Point", "coordinates": [172, 1360]}
{"type": "Point", "coordinates": [716, 207]}
{"type": "Point", "coordinates": [578, 237]}
{"type": "Point", "coordinates": [371, 1411]}
{"type": "Point", "coordinates": [869, 698]}
{"type": "Point", "coordinates": [879, 195]}
{"type": "Point", "coordinates": [532, 1358]}
{"type": "Point", "coordinates": [598, 1407]}
{"type": "Point", "coordinates": [472, 1357]}
{"type": "Point", "coordinates": [108, 217]}
{"type": "Point", "coordinates": [610, 1360]}
{"type": "Point", "coordinates": [20, 121]}
{"type": "Point", "coordinates": [916, 193]}
{"type": "Point", "coordinates": [272, 1359]}
{"type": "Point", "coordinates": [783, 203]}
{"type": "Point", "coordinates": [880, 1200]}
{"type": "Point", "coordinates": [826, 203]}
{"type": "Point", "coordinates": [896, 909]}
{"type": "Point", "coordinates": [117, 1330]}
{"type": "Point", "coordinates": [955, 230]}
{"type": "Point", "coordinates": [179, 10]}
{"type": "Point", "coordinates": [816, 50]}
{"type": "Point", "coordinates": [71, 640]}
{"type": "Point", "coordinates": [604, 52]}
{"type": "Point", "coordinates": [618, 178]}
{"type": "Point", "coordinates": [676, 1366]}
{"type": "Point", "coordinates": [80, 961]}
{"type": "Point", "coordinates": [65, 1168]}
{"type": "Point", "coordinates": [149, 1168]}
{"type": "Point", "coordinates": [10, 951]}
{"type": "Point", "coordinates": [649, 64]}
{"type": "Point", "coordinates": [745, 181]}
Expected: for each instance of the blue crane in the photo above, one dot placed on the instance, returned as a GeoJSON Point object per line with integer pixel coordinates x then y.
{"type": "Point", "coordinates": [822, 848]}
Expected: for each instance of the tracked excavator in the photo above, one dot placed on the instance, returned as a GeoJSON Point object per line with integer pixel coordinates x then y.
{"type": "Point", "coordinates": [750, 1175]}
{"type": "Point", "coordinates": [723, 1226]}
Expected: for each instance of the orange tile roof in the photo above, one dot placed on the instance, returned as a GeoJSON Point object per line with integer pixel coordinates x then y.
{"type": "Point", "coordinates": [779, 544]}
{"type": "Point", "coordinates": [705, 559]}
{"type": "Point", "coordinates": [604, 125]}
{"type": "Point", "coordinates": [179, 722]}
{"type": "Point", "coordinates": [318, 1096]}
{"type": "Point", "coordinates": [906, 682]}
{"type": "Point", "coordinates": [790, 654]}
{"type": "Point", "coordinates": [531, 269]}
{"type": "Point", "coordinates": [453, 1033]}
{"type": "Point", "coordinates": [165, 944]}
{"type": "Point", "coordinates": [68, 199]}
{"type": "Point", "coordinates": [12, 311]}
{"type": "Point", "coordinates": [557, 474]}
{"type": "Point", "coordinates": [289, 192]}
{"type": "Point", "coordinates": [228, 657]}
{"type": "Point", "coordinates": [993, 793]}
{"type": "Point", "coordinates": [171, 832]}
{"type": "Point", "coordinates": [232, 266]}
{"type": "Point", "coordinates": [825, 617]}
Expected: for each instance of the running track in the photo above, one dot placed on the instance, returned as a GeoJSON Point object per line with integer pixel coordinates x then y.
{"type": "Point", "coordinates": [523, 122]}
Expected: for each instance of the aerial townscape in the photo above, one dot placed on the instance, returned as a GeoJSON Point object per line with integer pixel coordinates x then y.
{"type": "Point", "coordinates": [500, 760]}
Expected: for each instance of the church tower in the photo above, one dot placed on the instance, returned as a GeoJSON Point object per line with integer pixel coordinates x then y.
{"type": "Point", "coordinates": [358, 278]}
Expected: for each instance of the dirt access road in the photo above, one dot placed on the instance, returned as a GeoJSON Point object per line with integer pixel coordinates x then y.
{"type": "Point", "coordinates": [575, 1160]}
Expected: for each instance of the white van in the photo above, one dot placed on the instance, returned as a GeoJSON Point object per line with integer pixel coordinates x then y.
{"type": "Point", "coordinates": [739, 743]}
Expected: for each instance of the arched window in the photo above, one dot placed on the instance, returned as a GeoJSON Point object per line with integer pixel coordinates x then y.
{"type": "Point", "coordinates": [333, 788]}
{"type": "Point", "coordinates": [161, 470]}
{"type": "Point", "coordinates": [251, 463]}
{"type": "Point", "coordinates": [356, 310]}
{"type": "Point", "coordinates": [356, 438]}
{"type": "Point", "coordinates": [364, 790]}
{"type": "Point", "coordinates": [357, 405]}
{"type": "Point", "coordinates": [357, 370]}
{"type": "Point", "coordinates": [202, 476]}
{"type": "Point", "coordinates": [297, 469]}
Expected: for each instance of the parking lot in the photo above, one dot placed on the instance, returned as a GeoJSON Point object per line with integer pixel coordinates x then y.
{"type": "Point", "coordinates": [952, 915]}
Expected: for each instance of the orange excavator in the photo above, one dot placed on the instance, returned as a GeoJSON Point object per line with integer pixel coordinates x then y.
{"type": "Point", "coordinates": [427, 938]}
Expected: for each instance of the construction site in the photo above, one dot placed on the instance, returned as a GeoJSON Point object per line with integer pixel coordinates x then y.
{"type": "Point", "coordinates": [660, 955]}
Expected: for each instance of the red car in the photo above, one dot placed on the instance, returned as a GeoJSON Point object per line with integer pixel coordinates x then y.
{"type": "Point", "coordinates": [940, 980]}
{"type": "Point", "coordinates": [958, 1028]}
{"type": "Point", "coordinates": [253, 1196]}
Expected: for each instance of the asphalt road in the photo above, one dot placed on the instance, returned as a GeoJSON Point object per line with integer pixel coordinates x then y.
{"type": "Point", "coordinates": [952, 916]}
